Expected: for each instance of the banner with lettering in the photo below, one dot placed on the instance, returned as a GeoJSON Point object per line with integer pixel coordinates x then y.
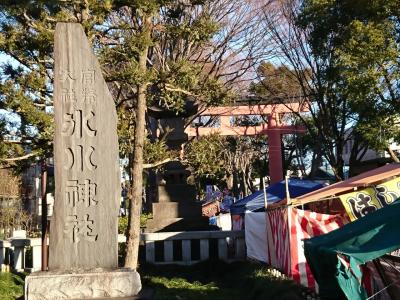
{"type": "Point", "coordinates": [363, 202]}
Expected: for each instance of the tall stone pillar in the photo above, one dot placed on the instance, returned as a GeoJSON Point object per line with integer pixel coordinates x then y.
{"type": "Point", "coordinates": [83, 256]}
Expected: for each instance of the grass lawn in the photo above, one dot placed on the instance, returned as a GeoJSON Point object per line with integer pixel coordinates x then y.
{"type": "Point", "coordinates": [218, 280]}
{"type": "Point", "coordinates": [208, 280]}
{"type": "Point", "coordinates": [11, 286]}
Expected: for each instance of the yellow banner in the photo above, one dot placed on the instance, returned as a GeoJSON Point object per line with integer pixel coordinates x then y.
{"type": "Point", "coordinates": [363, 202]}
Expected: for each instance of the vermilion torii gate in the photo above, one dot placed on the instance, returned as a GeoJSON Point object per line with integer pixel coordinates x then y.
{"type": "Point", "coordinates": [274, 128]}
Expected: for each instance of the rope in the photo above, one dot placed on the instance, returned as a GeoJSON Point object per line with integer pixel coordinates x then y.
{"type": "Point", "coordinates": [394, 267]}
{"type": "Point", "coordinates": [382, 289]}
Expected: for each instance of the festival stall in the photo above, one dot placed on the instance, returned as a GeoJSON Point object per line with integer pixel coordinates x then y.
{"type": "Point", "coordinates": [287, 227]}
{"type": "Point", "coordinates": [255, 236]}
{"type": "Point", "coordinates": [274, 193]}
{"type": "Point", "coordinates": [357, 196]}
{"type": "Point", "coordinates": [251, 211]}
{"type": "Point", "coordinates": [292, 220]}
{"type": "Point", "coordinates": [340, 260]}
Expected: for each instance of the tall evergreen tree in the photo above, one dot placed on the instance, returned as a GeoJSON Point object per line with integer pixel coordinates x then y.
{"type": "Point", "coordinates": [363, 38]}
{"type": "Point", "coordinates": [152, 52]}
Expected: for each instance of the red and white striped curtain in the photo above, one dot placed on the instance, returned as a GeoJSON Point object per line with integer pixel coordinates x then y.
{"type": "Point", "coordinates": [286, 228]}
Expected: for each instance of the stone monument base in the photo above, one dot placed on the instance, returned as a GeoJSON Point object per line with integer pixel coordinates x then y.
{"type": "Point", "coordinates": [94, 284]}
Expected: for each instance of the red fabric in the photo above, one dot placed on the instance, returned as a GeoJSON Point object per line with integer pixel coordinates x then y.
{"type": "Point", "coordinates": [237, 222]}
{"type": "Point", "coordinates": [278, 239]}
{"type": "Point", "coordinates": [288, 249]}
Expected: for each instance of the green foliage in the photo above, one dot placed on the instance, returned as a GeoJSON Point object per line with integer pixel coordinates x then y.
{"type": "Point", "coordinates": [26, 40]}
{"type": "Point", "coordinates": [278, 83]}
{"type": "Point", "coordinates": [176, 83]}
{"type": "Point", "coordinates": [369, 58]}
{"type": "Point", "coordinates": [204, 156]}
{"type": "Point", "coordinates": [187, 288]}
{"type": "Point", "coordinates": [116, 30]}
{"type": "Point", "coordinates": [122, 224]}
{"type": "Point", "coordinates": [362, 37]}
{"type": "Point", "coordinates": [343, 57]}
{"type": "Point", "coordinates": [172, 76]}
{"type": "Point", "coordinates": [218, 280]}
{"type": "Point", "coordinates": [157, 151]}
{"type": "Point", "coordinates": [11, 286]}
{"type": "Point", "coordinates": [144, 218]}
{"type": "Point", "coordinates": [226, 161]}
{"type": "Point", "coordinates": [154, 151]}
{"type": "Point", "coordinates": [125, 129]}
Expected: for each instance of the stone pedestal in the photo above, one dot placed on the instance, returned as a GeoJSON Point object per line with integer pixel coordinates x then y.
{"type": "Point", "coordinates": [95, 284]}
{"type": "Point", "coordinates": [176, 208]}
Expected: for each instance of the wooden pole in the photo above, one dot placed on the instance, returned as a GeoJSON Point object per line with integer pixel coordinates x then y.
{"type": "Point", "coordinates": [44, 216]}
{"type": "Point", "coordinates": [265, 194]}
{"type": "Point", "coordinates": [287, 189]}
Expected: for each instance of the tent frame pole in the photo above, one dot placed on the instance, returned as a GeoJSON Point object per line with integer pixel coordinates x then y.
{"type": "Point", "coordinates": [265, 194]}
{"type": "Point", "coordinates": [289, 202]}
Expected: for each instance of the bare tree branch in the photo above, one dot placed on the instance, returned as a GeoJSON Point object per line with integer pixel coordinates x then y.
{"type": "Point", "coordinates": [20, 157]}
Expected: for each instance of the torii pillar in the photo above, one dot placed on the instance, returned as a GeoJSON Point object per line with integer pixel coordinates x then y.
{"type": "Point", "coordinates": [275, 148]}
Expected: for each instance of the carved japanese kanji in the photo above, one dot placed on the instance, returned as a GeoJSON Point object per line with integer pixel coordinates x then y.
{"type": "Point", "coordinates": [68, 95]}
{"type": "Point", "coordinates": [87, 180]}
{"type": "Point", "coordinates": [80, 158]}
{"type": "Point", "coordinates": [77, 193]}
{"type": "Point", "coordinates": [88, 77]}
{"type": "Point", "coordinates": [88, 81]}
{"type": "Point", "coordinates": [77, 229]}
{"type": "Point", "coordinates": [77, 123]}
{"type": "Point", "coordinates": [66, 76]}
{"type": "Point", "coordinates": [89, 96]}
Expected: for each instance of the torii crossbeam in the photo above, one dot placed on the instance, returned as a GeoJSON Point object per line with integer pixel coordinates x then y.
{"type": "Point", "coordinates": [274, 128]}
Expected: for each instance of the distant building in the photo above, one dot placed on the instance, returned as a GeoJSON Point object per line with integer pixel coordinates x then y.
{"type": "Point", "coordinates": [370, 154]}
{"type": "Point", "coordinates": [10, 188]}
{"type": "Point", "coordinates": [371, 159]}
{"type": "Point", "coordinates": [28, 191]}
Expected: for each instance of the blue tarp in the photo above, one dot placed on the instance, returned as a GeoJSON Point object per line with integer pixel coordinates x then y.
{"type": "Point", "coordinates": [275, 193]}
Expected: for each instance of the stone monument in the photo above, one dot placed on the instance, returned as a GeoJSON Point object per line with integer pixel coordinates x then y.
{"type": "Point", "coordinates": [83, 256]}
{"type": "Point", "coordinates": [174, 205]}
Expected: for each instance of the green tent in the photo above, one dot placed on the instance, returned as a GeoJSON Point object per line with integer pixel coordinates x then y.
{"type": "Point", "coordinates": [358, 242]}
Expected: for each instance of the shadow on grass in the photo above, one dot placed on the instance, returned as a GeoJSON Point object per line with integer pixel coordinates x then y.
{"type": "Point", "coordinates": [11, 286]}
{"type": "Point", "coordinates": [218, 280]}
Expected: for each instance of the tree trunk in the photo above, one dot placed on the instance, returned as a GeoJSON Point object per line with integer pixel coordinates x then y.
{"type": "Point", "coordinates": [393, 155]}
{"type": "Point", "coordinates": [315, 163]}
{"type": "Point", "coordinates": [338, 169]}
{"type": "Point", "coordinates": [136, 169]}
{"type": "Point", "coordinates": [243, 184]}
{"type": "Point", "coordinates": [339, 166]}
{"type": "Point", "coordinates": [235, 189]}
{"type": "Point", "coordinates": [356, 155]}
{"type": "Point", "coordinates": [229, 181]}
{"type": "Point", "coordinates": [249, 180]}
